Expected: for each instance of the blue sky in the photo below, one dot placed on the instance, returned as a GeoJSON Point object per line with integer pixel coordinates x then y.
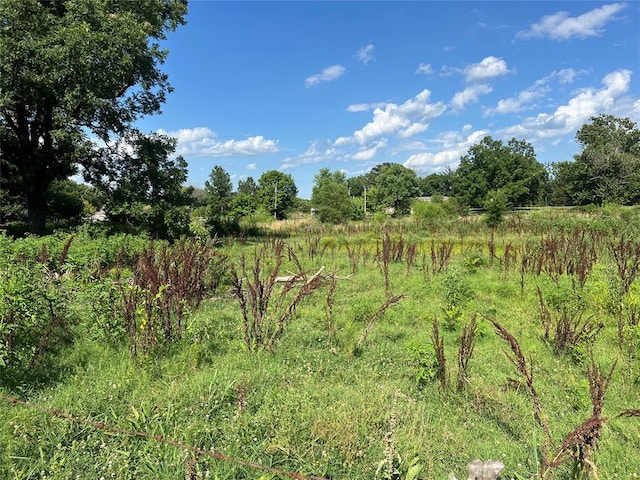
{"type": "Point", "coordinates": [298, 86]}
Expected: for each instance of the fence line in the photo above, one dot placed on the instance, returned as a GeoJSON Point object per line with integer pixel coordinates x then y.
{"type": "Point", "coordinates": [157, 438]}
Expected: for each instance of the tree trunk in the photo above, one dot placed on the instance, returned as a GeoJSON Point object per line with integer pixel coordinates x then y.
{"type": "Point", "coordinates": [37, 208]}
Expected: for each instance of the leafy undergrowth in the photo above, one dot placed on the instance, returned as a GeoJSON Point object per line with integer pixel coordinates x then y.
{"type": "Point", "coordinates": [355, 387]}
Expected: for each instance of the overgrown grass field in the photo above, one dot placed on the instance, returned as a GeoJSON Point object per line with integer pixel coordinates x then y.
{"type": "Point", "coordinates": [416, 349]}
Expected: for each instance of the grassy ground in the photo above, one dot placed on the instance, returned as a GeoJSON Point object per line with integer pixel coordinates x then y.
{"type": "Point", "coordinates": [329, 401]}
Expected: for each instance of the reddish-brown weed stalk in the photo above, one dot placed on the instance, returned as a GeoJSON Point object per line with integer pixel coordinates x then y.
{"type": "Point", "coordinates": [525, 369]}
{"type": "Point", "coordinates": [626, 255]}
{"type": "Point", "coordinates": [467, 345]}
{"type": "Point", "coordinates": [569, 328]}
{"type": "Point", "coordinates": [438, 348]}
{"type": "Point", "coordinates": [372, 319]}
{"type": "Point", "coordinates": [264, 320]}
{"type": "Point", "coordinates": [167, 282]}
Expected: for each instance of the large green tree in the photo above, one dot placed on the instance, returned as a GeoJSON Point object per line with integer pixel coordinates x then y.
{"type": "Point", "coordinates": [276, 193]}
{"type": "Point", "coordinates": [71, 70]}
{"type": "Point", "coordinates": [248, 186]}
{"type": "Point", "coordinates": [608, 167]}
{"type": "Point", "coordinates": [143, 185]}
{"type": "Point", "coordinates": [219, 191]}
{"type": "Point", "coordinates": [492, 166]}
{"type": "Point", "coordinates": [437, 184]}
{"type": "Point", "coordinates": [330, 197]}
{"type": "Point", "coordinates": [393, 186]}
{"type": "Point", "coordinates": [245, 202]}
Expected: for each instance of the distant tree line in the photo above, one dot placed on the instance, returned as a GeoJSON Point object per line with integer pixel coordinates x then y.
{"type": "Point", "coordinates": [144, 187]}
{"type": "Point", "coordinates": [495, 176]}
{"type": "Point", "coordinates": [76, 75]}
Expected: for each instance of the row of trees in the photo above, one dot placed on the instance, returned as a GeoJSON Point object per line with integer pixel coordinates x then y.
{"type": "Point", "coordinates": [274, 195]}
{"type": "Point", "coordinates": [139, 183]}
{"type": "Point", "coordinates": [494, 174]}
{"type": "Point", "coordinates": [77, 74]}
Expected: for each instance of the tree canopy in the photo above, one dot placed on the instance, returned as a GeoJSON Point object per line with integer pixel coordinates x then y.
{"type": "Point", "coordinates": [490, 165]}
{"type": "Point", "coordinates": [142, 185]}
{"type": "Point", "coordinates": [330, 197]}
{"type": "Point", "coordinates": [219, 191]}
{"type": "Point", "coordinates": [276, 193]}
{"type": "Point", "coordinates": [608, 167]}
{"type": "Point", "coordinates": [72, 69]}
{"type": "Point", "coordinates": [394, 186]}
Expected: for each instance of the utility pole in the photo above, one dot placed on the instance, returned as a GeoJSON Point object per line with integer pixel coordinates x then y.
{"type": "Point", "coordinates": [275, 202]}
{"type": "Point", "coordinates": [365, 201]}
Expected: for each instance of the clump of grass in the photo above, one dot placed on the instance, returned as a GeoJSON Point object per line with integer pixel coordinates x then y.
{"type": "Point", "coordinates": [372, 319]}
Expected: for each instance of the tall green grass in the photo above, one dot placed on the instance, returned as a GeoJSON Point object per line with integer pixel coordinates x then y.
{"type": "Point", "coordinates": [336, 407]}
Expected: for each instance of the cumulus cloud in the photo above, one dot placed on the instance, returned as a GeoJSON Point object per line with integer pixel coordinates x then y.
{"type": "Point", "coordinates": [365, 54]}
{"type": "Point", "coordinates": [586, 103]}
{"type": "Point", "coordinates": [567, 75]}
{"type": "Point", "coordinates": [526, 98]}
{"type": "Point", "coordinates": [317, 152]}
{"type": "Point", "coordinates": [470, 95]}
{"type": "Point", "coordinates": [425, 68]}
{"type": "Point", "coordinates": [252, 166]}
{"type": "Point", "coordinates": [488, 67]}
{"type": "Point", "coordinates": [370, 152]}
{"type": "Point", "coordinates": [364, 107]}
{"type": "Point", "coordinates": [403, 118]}
{"type": "Point", "coordinates": [560, 26]}
{"type": "Point", "coordinates": [413, 129]}
{"type": "Point", "coordinates": [203, 142]}
{"type": "Point", "coordinates": [401, 121]}
{"type": "Point", "coordinates": [451, 146]}
{"type": "Point", "coordinates": [342, 141]}
{"type": "Point", "coordinates": [327, 75]}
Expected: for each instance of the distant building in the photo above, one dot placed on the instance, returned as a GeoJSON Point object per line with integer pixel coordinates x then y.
{"type": "Point", "coordinates": [429, 199]}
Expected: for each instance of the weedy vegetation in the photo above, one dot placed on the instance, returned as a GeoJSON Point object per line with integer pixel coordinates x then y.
{"type": "Point", "coordinates": [384, 349]}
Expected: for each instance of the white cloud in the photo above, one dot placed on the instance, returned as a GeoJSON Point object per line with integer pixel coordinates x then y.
{"type": "Point", "coordinates": [369, 153]}
{"type": "Point", "coordinates": [364, 107]}
{"type": "Point", "coordinates": [401, 121]}
{"type": "Point", "coordinates": [425, 68]}
{"type": "Point", "coordinates": [586, 103]}
{"type": "Point", "coordinates": [489, 67]}
{"type": "Point", "coordinates": [365, 54]}
{"type": "Point", "coordinates": [328, 74]}
{"type": "Point", "coordinates": [251, 166]}
{"type": "Point", "coordinates": [526, 98]}
{"type": "Point", "coordinates": [567, 75]}
{"type": "Point", "coordinates": [413, 129]}
{"type": "Point", "coordinates": [470, 95]}
{"type": "Point", "coordinates": [342, 141]}
{"type": "Point", "coordinates": [317, 152]}
{"type": "Point", "coordinates": [396, 118]}
{"type": "Point", "coordinates": [203, 142]}
{"type": "Point", "coordinates": [384, 122]}
{"type": "Point", "coordinates": [560, 26]}
{"type": "Point", "coordinates": [452, 146]}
